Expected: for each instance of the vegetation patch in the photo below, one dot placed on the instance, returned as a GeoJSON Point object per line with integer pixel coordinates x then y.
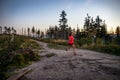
{"type": "Point", "coordinates": [16, 54]}
{"type": "Point", "coordinates": [112, 49]}
{"type": "Point", "coordinates": [87, 43]}
{"type": "Point", "coordinates": [50, 55]}
{"type": "Point", "coordinates": [55, 46]}
{"type": "Point", "coordinates": [29, 44]}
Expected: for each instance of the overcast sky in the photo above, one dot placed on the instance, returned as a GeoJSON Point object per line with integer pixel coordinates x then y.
{"type": "Point", "coordinates": [42, 13]}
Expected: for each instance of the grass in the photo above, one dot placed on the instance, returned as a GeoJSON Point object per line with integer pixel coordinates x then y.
{"type": "Point", "coordinates": [109, 49]}
{"type": "Point", "coordinates": [50, 55]}
{"type": "Point", "coordinates": [54, 41]}
{"type": "Point", "coordinates": [28, 43]}
{"type": "Point", "coordinates": [55, 46]}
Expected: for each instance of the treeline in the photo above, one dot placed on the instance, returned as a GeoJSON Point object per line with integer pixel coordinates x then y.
{"type": "Point", "coordinates": [7, 30]}
{"type": "Point", "coordinates": [93, 35]}
{"type": "Point", "coordinates": [33, 32]}
{"type": "Point", "coordinates": [93, 28]}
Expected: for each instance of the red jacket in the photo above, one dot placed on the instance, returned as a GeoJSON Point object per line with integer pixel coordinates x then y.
{"type": "Point", "coordinates": [71, 40]}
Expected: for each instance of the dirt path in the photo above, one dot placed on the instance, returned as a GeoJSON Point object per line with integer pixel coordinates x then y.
{"type": "Point", "coordinates": [86, 65]}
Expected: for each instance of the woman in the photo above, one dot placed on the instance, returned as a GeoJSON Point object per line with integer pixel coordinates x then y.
{"type": "Point", "coordinates": [71, 43]}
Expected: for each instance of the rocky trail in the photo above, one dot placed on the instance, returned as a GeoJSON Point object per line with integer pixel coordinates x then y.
{"type": "Point", "coordinates": [86, 65]}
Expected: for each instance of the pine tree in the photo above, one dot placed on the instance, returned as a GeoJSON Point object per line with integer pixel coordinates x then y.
{"type": "Point", "coordinates": [77, 34]}
{"type": "Point", "coordinates": [63, 24]}
{"type": "Point", "coordinates": [87, 23]}
{"type": "Point", "coordinates": [38, 33]}
{"type": "Point", "coordinates": [103, 30]}
{"type": "Point", "coordinates": [98, 22]}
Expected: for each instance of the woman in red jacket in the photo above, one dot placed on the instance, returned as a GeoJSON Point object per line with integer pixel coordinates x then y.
{"type": "Point", "coordinates": [71, 43]}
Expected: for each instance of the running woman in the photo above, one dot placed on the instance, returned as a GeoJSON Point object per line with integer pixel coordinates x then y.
{"type": "Point", "coordinates": [71, 43]}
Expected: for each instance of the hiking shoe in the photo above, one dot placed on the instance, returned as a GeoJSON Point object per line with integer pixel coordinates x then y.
{"type": "Point", "coordinates": [75, 54]}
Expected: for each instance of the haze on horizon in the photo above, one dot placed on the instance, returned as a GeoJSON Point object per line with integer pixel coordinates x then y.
{"type": "Point", "coordinates": [42, 13]}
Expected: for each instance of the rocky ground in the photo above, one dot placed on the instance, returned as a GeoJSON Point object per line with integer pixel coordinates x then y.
{"type": "Point", "coordinates": [86, 65]}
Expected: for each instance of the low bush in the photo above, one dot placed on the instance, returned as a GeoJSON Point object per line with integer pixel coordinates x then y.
{"type": "Point", "coordinates": [18, 60]}
{"type": "Point", "coordinates": [50, 55]}
{"type": "Point", "coordinates": [29, 44]}
{"type": "Point", "coordinates": [111, 49]}
{"type": "Point", "coordinates": [44, 40]}
{"type": "Point", "coordinates": [84, 41]}
{"type": "Point", "coordinates": [117, 40]}
{"type": "Point", "coordinates": [54, 41]}
{"type": "Point", "coordinates": [59, 42]}
{"type": "Point", "coordinates": [24, 58]}
{"type": "Point", "coordinates": [17, 53]}
{"type": "Point", "coordinates": [55, 46]}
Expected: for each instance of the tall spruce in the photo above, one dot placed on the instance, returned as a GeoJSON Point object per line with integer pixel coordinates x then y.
{"type": "Point", "coordinates": [63, 24]}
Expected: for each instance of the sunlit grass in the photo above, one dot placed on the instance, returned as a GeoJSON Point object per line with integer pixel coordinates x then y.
{"type": "Point", "coordinates": [55, 46]}
{"type": "Point", "coordinates": [50, 55]}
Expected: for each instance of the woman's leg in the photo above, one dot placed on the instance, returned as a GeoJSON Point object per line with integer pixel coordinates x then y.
{"type": "Point", "coordinates": [74, 49]}
{"type": "Point", "coordinates": [68, 47]}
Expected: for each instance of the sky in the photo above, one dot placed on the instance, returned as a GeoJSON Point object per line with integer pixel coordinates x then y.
{"type": "Point", "coordinates": [44, 13]}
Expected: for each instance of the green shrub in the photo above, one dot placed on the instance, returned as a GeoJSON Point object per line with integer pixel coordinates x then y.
{"type": "Point", "coordinates": [55, 46]}
{"type": "Point", "coordinates": [27, 58]}
{"type": "Point", "coordinates": [8, 59]}
{"type": "Point", "coordinates": [18, 60]}
{"type": "Point", "coordinates": [99, 41]}
{"type": "Point", "coordinates": [36, 57]}
{"type": "Point", "coordinates": [50, 55]}
{"type": "Point", "coordinates": [54, 41]}
{"type": "Point", "coordinates": [34, 45]}
{"type": "Point", "coordinates": [111, 49]}
{"type": "Point", "coordinates": [45, 40]}
{"type": "Point", "coordinates": [84, 41]}
{"type": "Point", "coordinates": [5, 56]}
{"type": "Point", "coordinates": [117, 40]}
